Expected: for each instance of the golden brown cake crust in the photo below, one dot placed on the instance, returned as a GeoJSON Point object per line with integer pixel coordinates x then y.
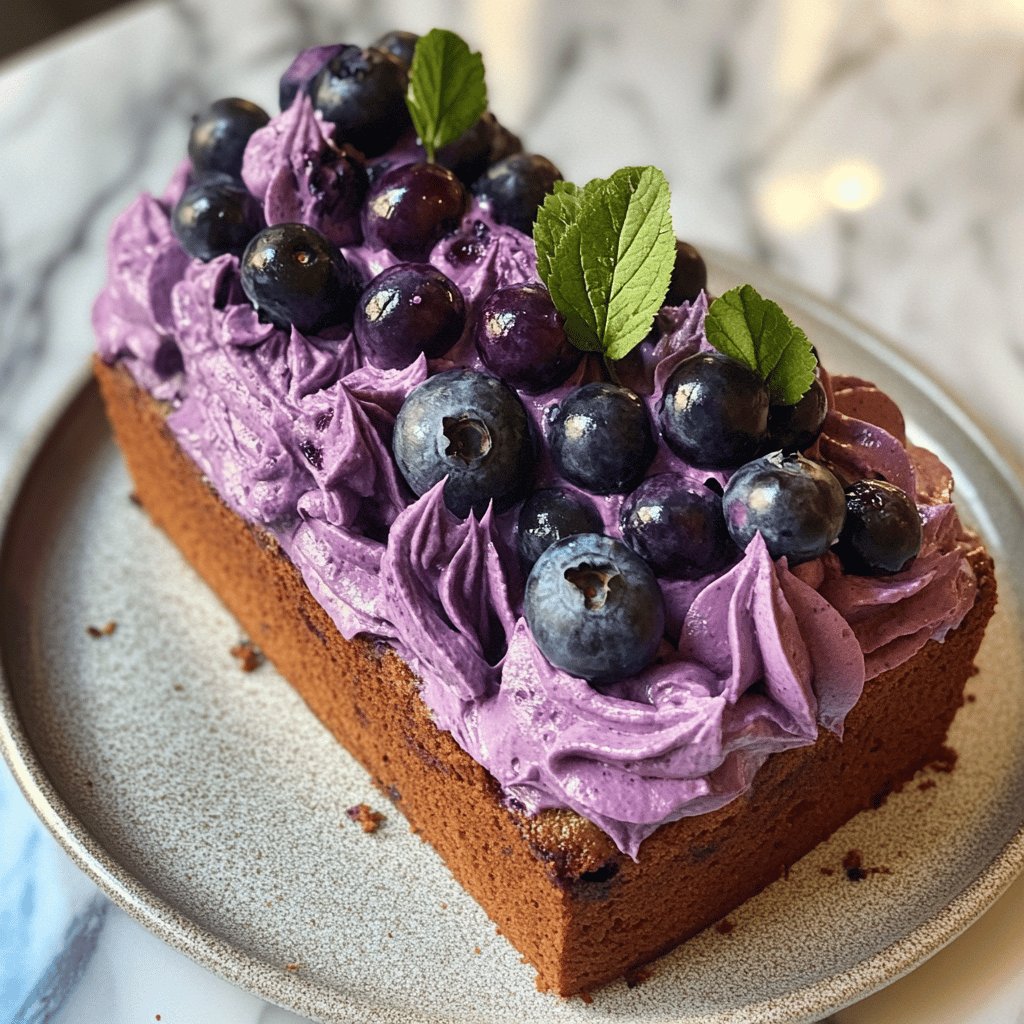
{"type": "Point", "coordinates": [579, 911]}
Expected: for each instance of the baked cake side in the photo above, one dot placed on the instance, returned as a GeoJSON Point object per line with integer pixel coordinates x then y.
{"type": "Point", "coordinates": [555, 885]}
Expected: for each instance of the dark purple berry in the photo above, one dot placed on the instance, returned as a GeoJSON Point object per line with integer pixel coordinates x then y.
{"type": "Point", "coordinates": [521, 337]}
{"type": "Point", "coordinates": [405, 310]}
{"type": "Point", "coordinates": [412, 207]}
{"type": "Point", "coordinates": [338, 184]}
{"type": "Point", "coordinates": [796, 505]}
{"type": "Point", "coordinates": [219, 136]}
{"type": "Point", "coordinates": [401, 46]}
{"type": "Point", "coordinates": [301, 72]}
{"type": "Point", "coordinates": [714, 412]}
{"type": "Point", "coordinates": [594, 608]}
{"type": "Point", "coordinates": [689, 275]}
{"type": "Point", "coordinates": [600, 438]}
{"type": "Point", "coordinates": [794, 428]}
{"type": "Point", "coordinates": [514, 188]}
{"type": "Point", "coordinates": [363, 93]}
{"type": "Point", "coordinates": [215, 216]}
{"type": "Point", "coordinates": [471, 428]}
{"type": "Point", "coordinates": [549, 515]}
{"type": "Point", "coordinates": [295, 276]}
{"type": "Point", "coordinates": [882, 533]}
{"type": "Point", "coordinates": [477, 148]}
{"type": "Point", "coordinates": [677, 527]}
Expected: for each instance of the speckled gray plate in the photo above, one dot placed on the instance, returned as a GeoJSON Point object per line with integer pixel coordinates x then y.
{"type": "Point", "coordinates": [210, 804]}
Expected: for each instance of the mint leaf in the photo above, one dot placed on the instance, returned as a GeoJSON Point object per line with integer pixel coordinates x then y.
{"type": "Point", "coordinates": [754, 331]}
{"type": "Point", "coordinates": [446, 93]}
{"type": "Point", "coordinates": [605, 252]}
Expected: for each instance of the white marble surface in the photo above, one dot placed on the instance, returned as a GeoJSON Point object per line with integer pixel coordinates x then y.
{"type": "Point", "coordinates": [872, 150]}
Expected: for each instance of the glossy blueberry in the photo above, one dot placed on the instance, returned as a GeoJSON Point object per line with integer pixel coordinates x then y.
{"type": "Point", "coordinates": [794, 428]}
{"type": "Point", "coordinates": [521, 337]}
{"type": "Point", "coordinates": [714, 412]}
{"type": "Point", "coordinates": [689, 275]}
{"type": "Point", "coordinates": [401, 46]}
{"type": "Point", "coordinates": [677, 527]}
{"type": "Point", "coordinates": [882, 533]}
{"type": "Point", "coordinates": [219, 136]}
{"type": "Point", "coordinates": [338, 183]}
{"type": "Point", "coordinates": [471, 428]}
{"type": "Point", "coordinates": [405, 310]}
{"type": "Point", "coordinates": [514, 188]}
{"type": "Point", "coordinates": [363, 93]}
{"type": "Point", "coordinates": [552, 514]}
{"type": "Point", "coordinates": [216, 215]}
{"type": "Point", "coordinates": [485, 143]}
{"type": "Point", "coordinates": [600, 438]}
{"type": "Point", "coordinates": [301, 72]}
{"type": "Point", "coordinates": [295, 276]}
{"type": "Point", "coordinates": [411, 207]}
{"type": "Point", "coordinates": [797, 505]}
{"type": "Point", "coordinates": [594, 608]}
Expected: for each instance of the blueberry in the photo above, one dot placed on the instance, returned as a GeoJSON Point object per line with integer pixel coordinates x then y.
{"type": "Point", "coordinates": [689, 275]}
{"type": "Point", "coordinates": [600, 438]}
{"type": "Point", "coordinates": [477, 148]}
{"type": "Point", "coordinates": [405, 310]}
{"type": "Point", "coordinates": [294, 276]}
{"type": "Point", "coordinates": [714, 412]}
{"type": "Point", "coordinates": [552, 514]}
{"type": "Point", "coordinates": [215, 216]}
{"type": "Point", "coordinates": [521, 337]}
{"type": "Point", "coordinates": [794, 428]}
{"type": "Point", "coordinates": [882, 533]}
{"type": "Point", "coordinates": [514, 188]}
{"type": "Point", "coordinates": [363, 93]}
{"type": "Point", "coordinates": [412, 207]}
{"type": "Point", "coordinates": [797, 505]}
{"type": "Point", "coordinates": [401, 46]}
{"type": "Point", "coordinates": [471, 428]}
{"type": "Point", "coordinates": [303, 70]}
{"type": "Point", "coordinates": [677, 526]}
{"type": "Point", "coordinates": [220, 133]}
{"type": "Point", "coordinates": [595, 608]}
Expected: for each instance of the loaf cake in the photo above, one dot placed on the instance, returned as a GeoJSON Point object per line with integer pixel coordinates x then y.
{"type": "Point", "coordinates": [619, 667]}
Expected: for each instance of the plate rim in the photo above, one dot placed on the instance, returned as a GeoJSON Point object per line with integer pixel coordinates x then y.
{"type": "Point", "coordinates": [320, 1002]}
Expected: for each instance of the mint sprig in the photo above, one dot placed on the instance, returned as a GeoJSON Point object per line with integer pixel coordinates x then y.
{"type": "Point", "coordinates": [605, 252]}
{"type": "Point", "coordinates": [446, 94]}
{"type": "Point", "coordinates": [754, 331]}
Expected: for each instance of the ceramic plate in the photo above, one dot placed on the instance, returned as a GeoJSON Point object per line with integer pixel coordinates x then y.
{"type": "Point", "coordinates": [210, 804]}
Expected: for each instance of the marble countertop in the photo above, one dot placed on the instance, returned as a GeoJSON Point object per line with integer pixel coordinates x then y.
{"type": "Point", "coordinates": [870, 150]}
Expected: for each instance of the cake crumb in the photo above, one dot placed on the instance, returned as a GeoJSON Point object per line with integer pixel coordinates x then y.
{"type": "Point", "coordinates": [134, 498]}
{"type": "Point", "coordinates": [827, 871]}
{"type": "Point", "coordinates": [636, 978]}
{"type": "Point", "coordinates": [476, 950]}
{"type": "Point", "coordinates": [178, 687]}
{"type": "Point", "coordinates": [444, 906]}
{"type": "Point", "coordinates": [945, 762]}
{"type": "Point", "coordinates": [97, 631]}
{"type": "Point", "coordinates": [586, 997]}
{"type": "Point", "coordinates": [971, 698]}
{"type": "Point", "coordinates": [158, 1016]}
{"type": "Point", "coordinates": [249, 656]}
{"type": "Point", "coordinates": [927, 784]}
{"type": "Point", "coordinates": [368, 819]}
{"type": "Point", "coordinates": [853, 865]}
{"type": "Point", "coordinates": [726, 926]}
{"type": "Point", "coordinates": [293, 967]}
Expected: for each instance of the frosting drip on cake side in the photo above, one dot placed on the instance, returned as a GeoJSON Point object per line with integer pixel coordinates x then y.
{"type": "Point", "coordinates": [295, 431]}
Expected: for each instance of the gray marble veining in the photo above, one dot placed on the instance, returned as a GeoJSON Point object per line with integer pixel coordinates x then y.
{"type": "Point", "coordinates": [871, 150]}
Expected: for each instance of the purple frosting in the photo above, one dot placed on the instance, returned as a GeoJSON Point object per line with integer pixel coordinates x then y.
{"type": "Point", "coordinates": [294, 431]}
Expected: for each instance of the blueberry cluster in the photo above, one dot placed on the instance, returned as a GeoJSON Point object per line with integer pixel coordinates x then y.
{"type": "Point", "coordinates": [593, 602]}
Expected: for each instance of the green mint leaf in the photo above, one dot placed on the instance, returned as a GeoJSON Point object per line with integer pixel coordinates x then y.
{"type": "Point", "coordinates": [446, 94]}
{"type": "Point", "coordinates": [754, 331]}
{"type": "Point", "coordinates": [605, 252]}
{"type": "Point", "coordinates": [558, 212]}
